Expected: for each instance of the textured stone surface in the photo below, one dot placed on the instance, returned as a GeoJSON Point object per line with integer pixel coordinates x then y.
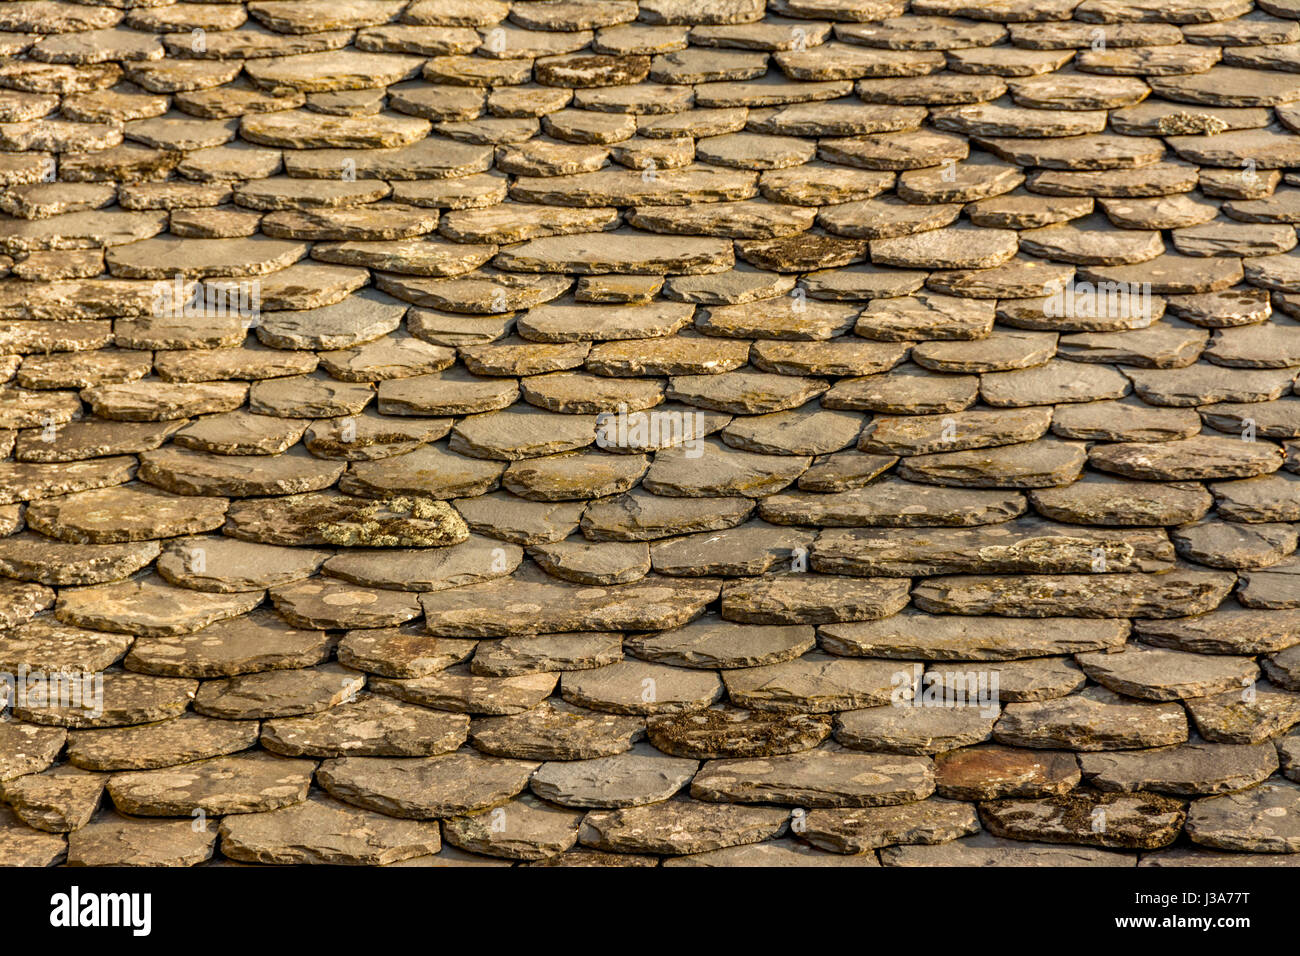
{"type": "Point", "coordinates": [443, 389]}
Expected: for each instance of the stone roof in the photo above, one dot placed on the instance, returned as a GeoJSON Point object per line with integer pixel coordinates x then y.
{"type": "Point", "coordinates": [697, 432]}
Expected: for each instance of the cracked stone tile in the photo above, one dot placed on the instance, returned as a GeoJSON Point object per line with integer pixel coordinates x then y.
{"type": "Point", "coordinates": [279, 693]}
{"type": "Point", "coordinates": [323, 831]}
{"type": "Point", "coordinates": [861, 830]}
{"type": "Point", "coordinates": [1124, 821]}
{"type": "Point", "coordinates": [164, 743]}
{"type": "Point", "coordinates": [556, 731]}
{"type": "Point", "coordinates": [370, 726]}
{"type": "Point", "coordinates": [245, 783]}
{"type": "Point", "coordinates": [115, 840]}
{"type": "Point", "coordinates": [844, 470]}
{"type": "Point", "coordinates": [991, 772]}
{"type": "Point", "coordinates": [446, 785]}
{"type": "Point", "coordinates": [257, 641]}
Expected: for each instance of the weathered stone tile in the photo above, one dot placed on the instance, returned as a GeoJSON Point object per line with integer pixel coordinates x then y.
{"type": "Point", "coordinates": [861, 830]}
{"type": "Point", "coordinates": [321, 830]}
{"type": "Point", "coordinates": [1261, 820]}
{"type": "Point", "coordinates": [149, 606]}
{"type": "Point", "coordinates": [246, 783]}
{"type": "Point", "coordinates": [555, 730]}
{"type": "Point", "coordinates": [164, 743]}
{"type": "Point", "coordinates": [892, 503]}
{"type": "Point", "coordinates": [1140, 821]}
{"type": "Point", "coordinates": [456, 689]}
{"type": "Point", "coordinates": [279, 693]}
{"type": "Point", "coordinates": [254, 642]}
{"type": "Point", "coordinates": [115, 840]}
{"type": "Point", "coordinates": [992, 771]}
{"type": "Point", "coordinates": [447, 785]}
{"type": "Point", "coordinates": [915, 635]}
{"type": "Point", "coordinates": [638, 687]}
{"type": "Point", "coordinates": [816, 778]}
{"type": "Point", "coordinates": [36, 558]}
{"type": "Point", "coordinates": [370, 726]}
{"type": "Point", "coordinates": [1192, 769]}
{"type": "Point", "coordinates": [28, 749]}
{"type": "Point", "coordinates": [816, 683]}
{"type": "Point", "coordinates": [914, 727]}
{"type": "Point", "coordinates": [676, 827]}
{"type": "Point", "coordinates": [1024, 545]}
{"type": "Point", "coordinates": [1091, 720]}
{"type": "Point", "coordinates": [1176, 593]}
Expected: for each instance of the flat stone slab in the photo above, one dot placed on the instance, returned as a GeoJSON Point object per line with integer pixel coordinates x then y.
{"type": "Point", "coordinates": [324, 831]}
{"type": "Point", "coordinates": [370, 726]}
{"type": "Point", "coordinates": [456, 689]}
{"type": "Point", "coordinates": [555, 730]}
{"type": "Point", "coordinates": [512, 606]}
{"type": "Point", "coordinates": [1260, 820]}
{"type": "Point", "coordinates": [915, 729]}
{"type": "Point", "coordinates": [279, 693]}
{"type": "Point", "coordinates": [915, 635]}
{"type": "Point", "coordinates": [164, 743]}
{"type": "Point", "coordinates": [732, 732]}
{"type": "Point", "coordinates": [676, 827]}
{"type": "Point", "coordinates": [115, 840]}
{"type": "Point", "coordinates": [991, 772]}
{"type": "Point", "coordinates": [1124, 821]}
{"type": "Point", "coordinates": [640, 687]}
{"type": "Point", "coordinates": [425, 787]}
{"type": "Point", "coordinates": [817, 683]}
{"type": "Point", "coordinates": [863, 829]}
{"type": "Point", "coordinates": [523, 829]}
{"type": "Point", "coordinates": [986, 850]}
{"type": "Point", "coordinates": [1091, 720]}
{"type": "Point", "coordinates": [1193, 769]}
{"type": "Point", "coordinates": [816, 778]}
{"type": "Point", "coordinates": [249, 783]}
{"type": "Point", "coordinates": [635, 778]}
